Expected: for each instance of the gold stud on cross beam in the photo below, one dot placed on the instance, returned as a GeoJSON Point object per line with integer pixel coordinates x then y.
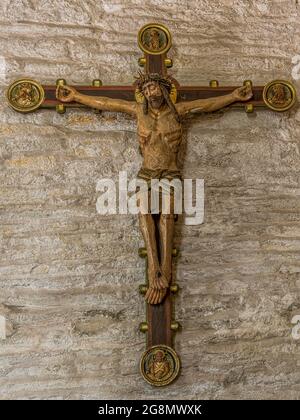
{"type": "Point", "coordinates": [143, 289]}
{"type": "Point", "coordinates": [97, 83]}
{"type": "Point", "coordinates": [175, 252]}
{"type": "Point", "coordinates": [249, 108]}
{"type": "Point", "coordinates": [143, 252]}
{"type": "Point", "coordinates": [175, 326]}
{"type": "Point", "coordinates": [142, 61]}
{"type": "Point", "coordinates": [61, 82]}
{"type": "Point", "coordinates": [168, 62]}
{"type": "Point", "coordinates": [174, 288]}
{"type": "Point", "coordinates": [143, 327]}
{"type": "Point", "coordinates": [60, 109]}
{"type": "Point", "coordinates": [214, 84]}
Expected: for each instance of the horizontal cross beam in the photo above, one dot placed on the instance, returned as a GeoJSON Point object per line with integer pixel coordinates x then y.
{"type": "Point", "coordinates": [184, 93]}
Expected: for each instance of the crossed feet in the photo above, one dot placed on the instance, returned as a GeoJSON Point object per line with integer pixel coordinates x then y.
{"type": "Point", "coordinates": [158, 286]}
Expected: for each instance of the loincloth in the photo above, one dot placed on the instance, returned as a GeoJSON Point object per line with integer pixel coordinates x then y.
{"type": "Point", "coordinates": [159, 174]}
{"type": "Point", "coordinates": [165, 189]}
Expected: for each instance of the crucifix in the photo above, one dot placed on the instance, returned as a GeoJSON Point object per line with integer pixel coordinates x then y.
{"type": "Point", "coordinates": [159, 104]}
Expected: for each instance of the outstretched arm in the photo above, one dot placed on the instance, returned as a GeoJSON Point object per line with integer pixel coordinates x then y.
{"type": "Point", "coordinates": [212, 104]}
{"type": "Point", "coordinates": [69, 94]}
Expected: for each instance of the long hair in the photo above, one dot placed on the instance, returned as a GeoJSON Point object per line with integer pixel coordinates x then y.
{"type": "Point", "coordinates": [165, 84]}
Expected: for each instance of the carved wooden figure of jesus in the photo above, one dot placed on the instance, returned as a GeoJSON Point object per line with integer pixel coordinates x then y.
{"type": "Point", "coordinates": [159, 123]}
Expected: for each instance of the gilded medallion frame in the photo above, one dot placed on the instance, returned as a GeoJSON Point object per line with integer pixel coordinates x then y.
{"type": "Point", "coordinates": [283, 84]}
{"type": "Point", "coordinates": [159, 28]}
{"type": "Point", "coordinates": [175, 368]}
{"type": "Point", "coordinates": [35, 95]}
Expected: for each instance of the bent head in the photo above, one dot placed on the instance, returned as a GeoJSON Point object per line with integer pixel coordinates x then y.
{"type": "Point", "coordinates": [153, 94]}
{"type": "Point", "coordinates": [156, 91]}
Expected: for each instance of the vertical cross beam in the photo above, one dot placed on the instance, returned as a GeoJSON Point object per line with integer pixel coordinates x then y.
{"type": "Point", "coordinates": [159, 325]}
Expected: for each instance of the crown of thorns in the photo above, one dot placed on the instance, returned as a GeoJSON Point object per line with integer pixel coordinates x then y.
{"type": "Point", "coordinates": [144, 78]}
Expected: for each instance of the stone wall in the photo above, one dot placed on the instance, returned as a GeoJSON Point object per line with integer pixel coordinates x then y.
{"type": "Point", "coordinates": [69, 277]}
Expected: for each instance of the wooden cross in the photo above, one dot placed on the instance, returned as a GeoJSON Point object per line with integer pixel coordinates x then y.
{"type": "Point", "coordinates": [160, 363]}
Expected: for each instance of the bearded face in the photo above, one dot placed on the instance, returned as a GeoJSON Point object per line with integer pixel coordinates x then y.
{"type": "Point", "coordinates": [153, 94]}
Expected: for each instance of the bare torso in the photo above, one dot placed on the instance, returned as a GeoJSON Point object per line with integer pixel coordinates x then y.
{"type": "Point", "coordinates": [159, 137]}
